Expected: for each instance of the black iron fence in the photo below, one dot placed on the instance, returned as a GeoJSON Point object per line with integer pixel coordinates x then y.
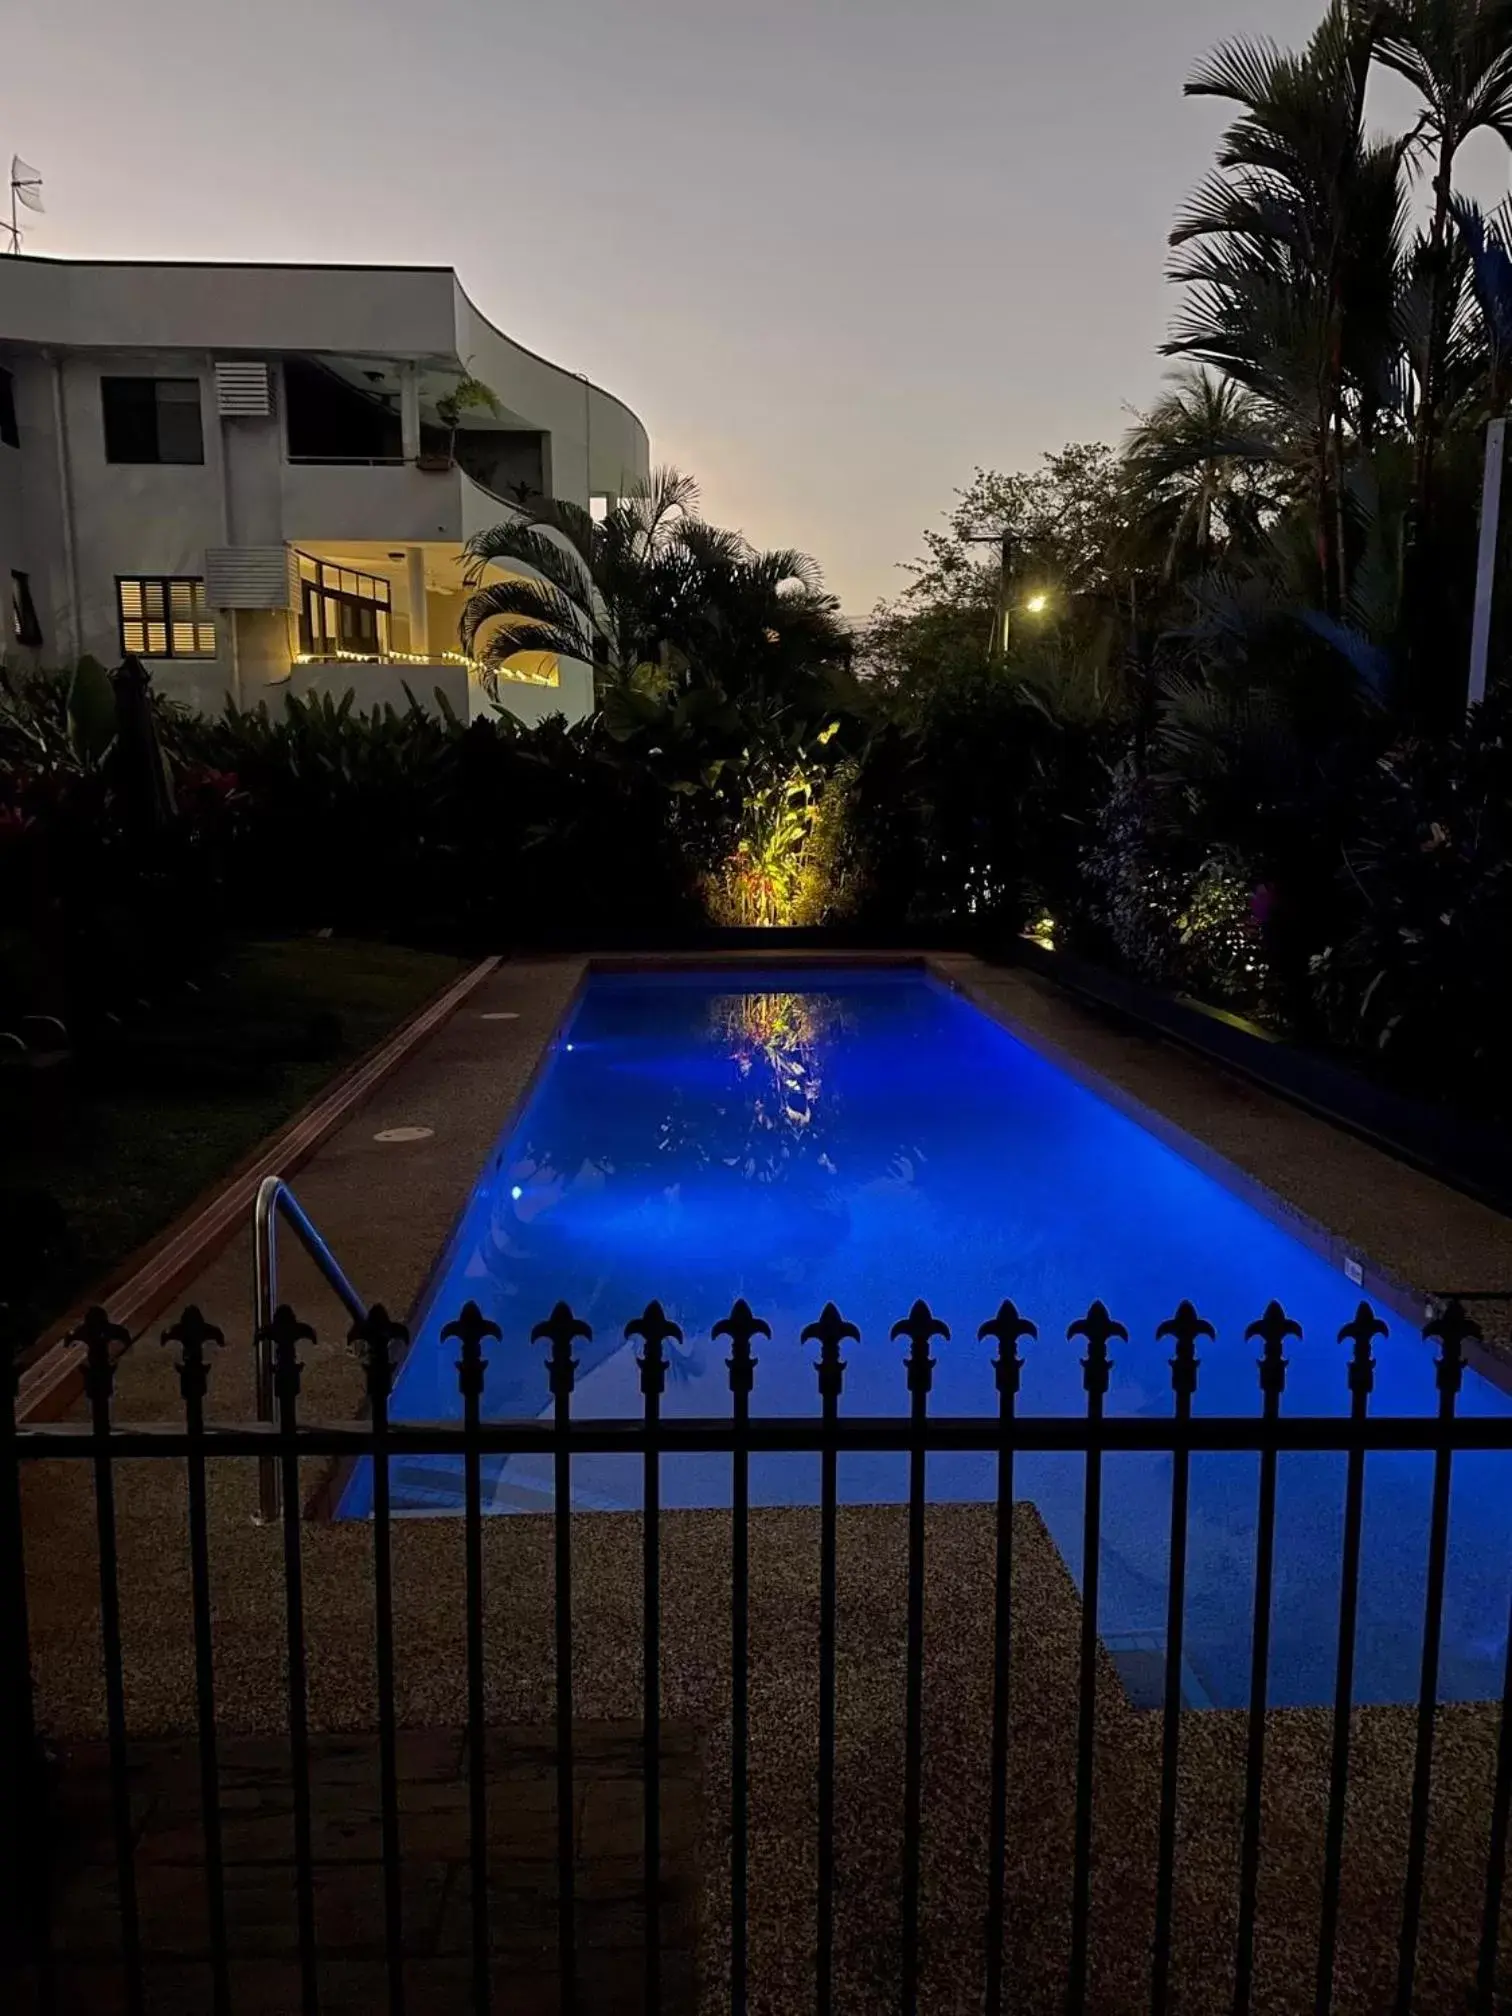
{"type": "Point", "coordinates": [104, 1443]}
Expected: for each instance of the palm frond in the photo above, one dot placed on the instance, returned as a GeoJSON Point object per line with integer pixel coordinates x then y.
{"type": "Point", "coordinates": [531, 545]}
{"type": "Point", "coordinates": [1245, 69]}
{"type": "Point", "coordinates": [523, 604]}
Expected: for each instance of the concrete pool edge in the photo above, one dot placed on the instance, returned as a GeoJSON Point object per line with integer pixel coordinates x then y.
{"type": "Point", "coordinates": [339, 1581]}
{"type": "Point", "coordinates": [322, 1503]}
{"type": "Point", "coordinates": [390, 1214]}
{"type": "Point", "coordinates": [142, 1287]}
{"type": "Point", "coordinates": [1374, 1279]}
{"type": "Point", "coordinates": [1348, 1199]}
{"type": "Point", "coordinates": [973, 981]}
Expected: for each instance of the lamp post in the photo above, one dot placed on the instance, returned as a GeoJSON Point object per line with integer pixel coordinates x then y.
{"type": "Point", "coordinates": [1002, 621]}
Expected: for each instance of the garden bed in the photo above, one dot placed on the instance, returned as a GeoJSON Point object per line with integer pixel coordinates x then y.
{"type": "Point", "coordinates": [1471, 1157]}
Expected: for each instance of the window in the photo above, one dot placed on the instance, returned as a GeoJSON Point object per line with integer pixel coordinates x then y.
{"type": "Point", "coordinates": [599, 508]}
{"type": "Point", "coordinates": [24, 625]}
{"type": "Point", "coordinates": [152, 420]}
{"type": "Point", "coordinates": [340, 610]}
{"type": "Point", "coordinates": [165, 617]}
{"type": "Point", "coordinates": [330, 419]}
{"type": "Point", "coordinates": [9, 433]}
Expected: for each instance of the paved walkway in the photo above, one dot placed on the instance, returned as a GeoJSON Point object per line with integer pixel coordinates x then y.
{"type": "Point", "coordinates": [433, 1804]}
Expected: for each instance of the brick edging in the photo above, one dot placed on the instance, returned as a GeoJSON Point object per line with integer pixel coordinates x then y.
{"type": "Point", "coordinates": [155, 1275]}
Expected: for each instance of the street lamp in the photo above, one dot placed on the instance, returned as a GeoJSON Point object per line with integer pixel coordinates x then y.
{"type": "Point", "coordinates": [1002, 622]}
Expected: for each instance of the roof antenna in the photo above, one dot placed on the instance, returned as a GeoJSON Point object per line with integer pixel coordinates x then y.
{"type": "Point", "coordinates": [25, 189]}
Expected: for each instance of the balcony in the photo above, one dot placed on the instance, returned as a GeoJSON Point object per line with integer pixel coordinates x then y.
{"type": "Point", "coordinates": [396, 502]}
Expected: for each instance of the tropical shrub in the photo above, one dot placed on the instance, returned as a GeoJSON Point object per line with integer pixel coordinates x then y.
{"type": "Point", "coordinates": [1415, 980]}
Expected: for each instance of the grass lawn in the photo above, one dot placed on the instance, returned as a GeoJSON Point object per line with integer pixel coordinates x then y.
{"type": "Point", "coordinates": [133, 1134]}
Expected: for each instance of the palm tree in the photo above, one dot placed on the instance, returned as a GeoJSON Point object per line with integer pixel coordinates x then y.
{"type": "Point", "coordinates": [758, 625]}
{"type": "Point", "coordinates": [658, 600]}
{"type": "Point", "coordinates": [598, 590]}
{"type": "Point", "coordinates": [1458, 56]}
{"type": "Point", "coordinates": [1291, 253]}
{"type": "Point", "coordinates": [1196, 466]}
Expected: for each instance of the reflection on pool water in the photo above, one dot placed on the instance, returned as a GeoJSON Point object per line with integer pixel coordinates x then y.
{"type": "Point", "coordinates": [868, 1137]}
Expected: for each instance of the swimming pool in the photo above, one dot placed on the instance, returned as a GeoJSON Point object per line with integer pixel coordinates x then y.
{"type": "Point", "coordinates": [867, 1136]}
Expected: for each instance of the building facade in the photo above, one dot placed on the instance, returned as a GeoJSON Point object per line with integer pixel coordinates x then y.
{"type": "Point", "coordinates": [259, 479]}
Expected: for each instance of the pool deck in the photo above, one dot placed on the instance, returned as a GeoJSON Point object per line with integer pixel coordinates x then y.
{"type": "Point", "coordinates": [387, 1211]}
{"type": "Point", "coordinates": [435, 1891]}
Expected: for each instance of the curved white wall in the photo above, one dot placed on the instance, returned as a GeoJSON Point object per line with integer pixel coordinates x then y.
{"type": "Point", "coordinates": [598, 447]}
{"type": "Point", "coordinates": [74, 522]}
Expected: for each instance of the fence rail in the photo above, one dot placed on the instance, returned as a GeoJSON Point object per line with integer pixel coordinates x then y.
{"type": "Point", "coordinates": [1006, 1433]}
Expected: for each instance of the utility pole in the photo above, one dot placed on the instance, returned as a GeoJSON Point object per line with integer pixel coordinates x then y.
{"type": "Point", "coordinates": [1003, 635]}
{"type": "Point", "coordinates": [1002, 617]}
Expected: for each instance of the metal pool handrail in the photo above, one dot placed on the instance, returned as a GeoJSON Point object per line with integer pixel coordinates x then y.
{"type": "Point", "coordinates": [274, 1200]}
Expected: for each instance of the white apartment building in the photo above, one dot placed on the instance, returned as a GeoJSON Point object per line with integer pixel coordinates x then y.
{"type": "Point", "coordinates": [251, 476]}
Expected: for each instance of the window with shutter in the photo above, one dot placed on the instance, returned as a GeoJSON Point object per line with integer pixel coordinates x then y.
{"type": "Point", "coordinates": [165, 616]}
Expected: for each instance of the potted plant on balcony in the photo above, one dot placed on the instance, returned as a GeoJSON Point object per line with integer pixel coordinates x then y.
{"type": "Point", "coordinates": [469, 394]}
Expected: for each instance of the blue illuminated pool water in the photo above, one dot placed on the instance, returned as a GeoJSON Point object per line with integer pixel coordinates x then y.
{"type": "Point", "coordinates": [869, 1137]}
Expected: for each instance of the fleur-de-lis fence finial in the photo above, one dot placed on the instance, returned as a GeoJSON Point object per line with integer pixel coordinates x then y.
{"type": "Point", "coordinates": [829, 1333]}
{"type": "Point", "coordinates": [920, 1326]}
{"type": "Point", "coordinates": [1452, 1329]}
{"type": "Point", "coordinates": [286, 1333]}
{"type": "Point", "coordinates": [1185, 1329]}
{"type": "Point", "coordinates": [1362, 1332]}
{"type": "Point", "coordinates": [470, 1328]}
{"type": "Point", "coordinates": [1008, 1329]}
{"type": "Point", "coordinates": [98, 1335]}
{"type": "Point", "coordinates": [1272, 1331]}
{"type": "Point", "coordinates": [378, 1340]}
{"type": "Point", "coordinates": [561, 1330]}
{"type": "Point", "coordinates": [194, 1337]}
{"type": "Point", "coordinates": [1097, 1329]}
{"type": "Point", "coordinates": [742, 1326]}
{"type": "Point", "coordinates": [654, 1328]}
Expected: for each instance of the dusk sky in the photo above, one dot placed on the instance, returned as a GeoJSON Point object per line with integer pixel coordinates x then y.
{"type": "Point", "coordinates": [834, 252]}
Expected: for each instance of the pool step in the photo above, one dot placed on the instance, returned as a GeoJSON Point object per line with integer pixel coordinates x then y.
{"type": "Point", "coordinates": [1140, 1657]}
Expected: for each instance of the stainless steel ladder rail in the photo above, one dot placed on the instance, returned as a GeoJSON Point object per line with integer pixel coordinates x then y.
{"type": "Point", "coordinates": [276, 1200]}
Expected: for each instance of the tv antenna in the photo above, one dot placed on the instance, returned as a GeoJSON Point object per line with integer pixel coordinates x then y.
{"type": "Point", "coordinates": [25, 191]}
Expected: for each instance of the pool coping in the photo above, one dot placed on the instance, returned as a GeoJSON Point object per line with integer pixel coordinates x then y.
{"type": "Point", "coordinates": [321, 1502]}
{"type": "Point", "coordinates": [1376, 1281]}
{"type": "Point", "coordinates": [149, 1279]}
{"type": "Point", "coordinates": [1371, 1276]}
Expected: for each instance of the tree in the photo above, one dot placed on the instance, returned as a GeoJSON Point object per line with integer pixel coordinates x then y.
{"type": "Point", "coordinates": [601, 591]}
{"type": "Point", "coordinates": [661, 602]}
{"type": "Point", "coordinates": [758, 626]}
{"type": "Point", "coordinates": [1292, 252]}
{"type": "Point", "coordinates": [1458, 56]}
{"type": "Point", "coordinates": [1067, 524]}
{"type": "Point", "coordinates": [1201, 471]}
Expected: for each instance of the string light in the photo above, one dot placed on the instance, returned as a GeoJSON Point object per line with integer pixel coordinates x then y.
{"type": "Point", "coordinates": [478, 670]}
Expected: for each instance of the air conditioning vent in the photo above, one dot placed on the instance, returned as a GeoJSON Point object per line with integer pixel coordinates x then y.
{"type": "Point", "coordinates": [243, 391]}
{"type": "Point", "coordinates": [251, 577]}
